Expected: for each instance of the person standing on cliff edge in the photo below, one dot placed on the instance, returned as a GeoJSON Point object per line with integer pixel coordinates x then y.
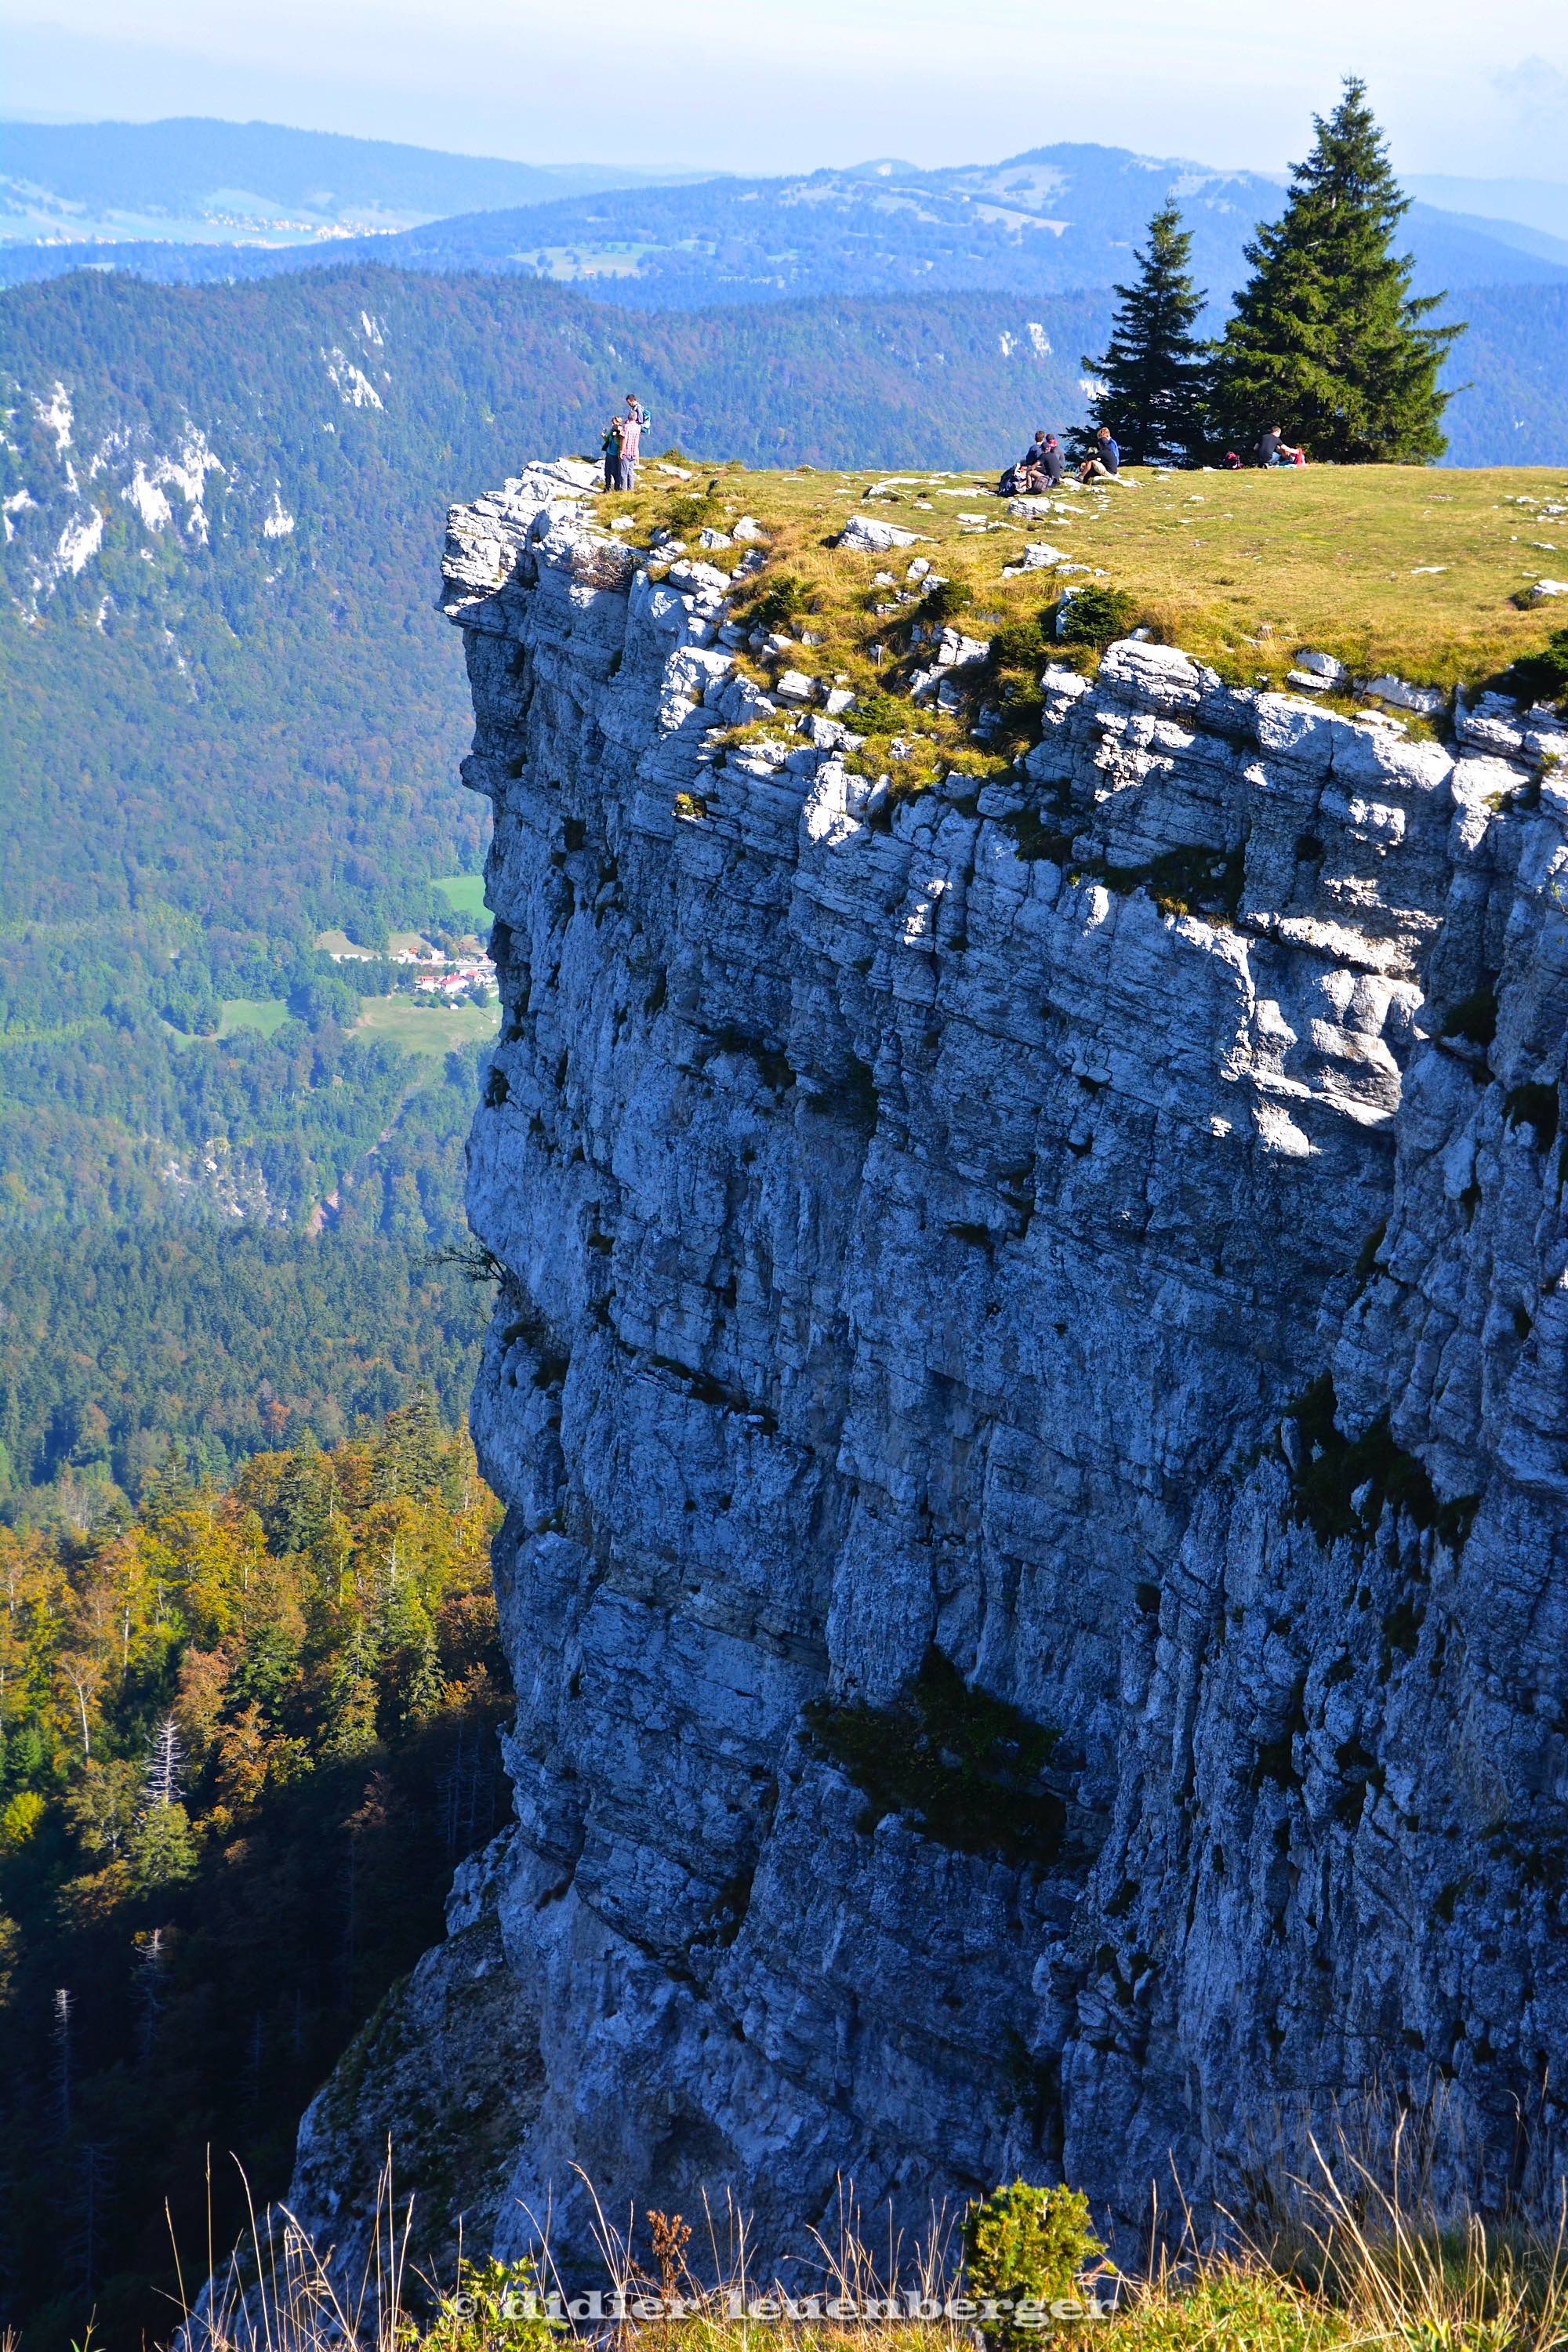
{"type": "Point", "coordinates": [632, 424]}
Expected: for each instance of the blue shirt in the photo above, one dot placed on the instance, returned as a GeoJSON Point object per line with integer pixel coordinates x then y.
{"type": "Point", "coordinates": [1109, 456]}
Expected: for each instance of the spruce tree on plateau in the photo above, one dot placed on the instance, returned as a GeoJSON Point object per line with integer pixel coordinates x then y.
{"type": "Point", "coordinates": [1154, 371]}
{"type": "Point", "coordinates": [1326, 339]}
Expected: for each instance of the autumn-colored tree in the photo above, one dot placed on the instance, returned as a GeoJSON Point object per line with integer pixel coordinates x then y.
{"type": "Point", "coordinates": [102, 1805]}
{"type": "Point", "coordinates": [201, 1694]}
{"type": "Point", "coordinates": [244, 1734]}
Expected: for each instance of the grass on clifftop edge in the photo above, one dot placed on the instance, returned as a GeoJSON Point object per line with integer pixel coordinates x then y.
{"type": "Point", "coordinates": [1401, 569]}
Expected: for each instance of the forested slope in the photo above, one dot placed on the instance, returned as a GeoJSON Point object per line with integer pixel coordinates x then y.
{"type": "Point", "coordinates": [241, 701]}
{"type": "Point", "coordinates": [245, 1734]}
{"type": "Point", "coordinates": [230, 718]}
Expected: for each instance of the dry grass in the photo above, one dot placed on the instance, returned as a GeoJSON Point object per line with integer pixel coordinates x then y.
{"type": "Point", "coordinates": [1362, 2271]}
{"type": "Point", "coordinates": [1241, 570]}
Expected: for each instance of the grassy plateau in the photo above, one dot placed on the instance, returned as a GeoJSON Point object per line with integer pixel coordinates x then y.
{"type": "Point", "coordinates": [1392, 569]}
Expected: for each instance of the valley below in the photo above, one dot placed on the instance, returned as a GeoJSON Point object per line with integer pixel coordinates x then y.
{"type": "Point", "coordinates": [822, 1269]}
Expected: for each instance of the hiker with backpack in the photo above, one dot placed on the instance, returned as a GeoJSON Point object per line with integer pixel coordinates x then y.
{"type": "Point", "coordinates": [611, 445]}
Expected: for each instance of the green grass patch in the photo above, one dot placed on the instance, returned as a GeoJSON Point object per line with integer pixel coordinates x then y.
{"type": "Point", "coordinates": [1373, 1467]}
{"type": "Point", "coordinates": [963, 1765]}
{"type": "Point", "coordinates": [433, 1028]}
{"type": "Point", "coordinates": [264, 1013]}
{"type": "Point", "coordinates": [465, 894]}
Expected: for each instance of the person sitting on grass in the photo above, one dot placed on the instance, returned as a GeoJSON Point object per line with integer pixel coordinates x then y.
{"type": "Point", "coordinates": [1030, 471]}
{"type": "Point", "coordinates": [1273, 449]}
{"type": "Point", "coordinates": [1026, 478]}
{"type": "Point", "coordinates": [1103, 463]}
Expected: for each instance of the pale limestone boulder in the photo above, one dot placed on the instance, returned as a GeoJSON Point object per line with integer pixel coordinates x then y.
{"type": "Point", "coordinates": [870, 535]}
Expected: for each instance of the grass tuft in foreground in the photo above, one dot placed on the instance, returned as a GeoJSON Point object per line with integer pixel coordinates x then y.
{"type": "Point", "coordinates": [1365, 2267]}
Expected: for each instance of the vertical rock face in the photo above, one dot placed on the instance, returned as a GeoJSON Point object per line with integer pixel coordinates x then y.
{"type": "Point", "coordinates": [922, 1241]}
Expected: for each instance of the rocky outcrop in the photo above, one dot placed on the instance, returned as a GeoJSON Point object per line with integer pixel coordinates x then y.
{"type": "Point", "coordinates": [1086, 1252]}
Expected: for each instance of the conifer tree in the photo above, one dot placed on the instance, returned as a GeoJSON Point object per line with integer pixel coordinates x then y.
{"type": "Point", "coordinates": [1327, 340]}
{"type": "Point", "coordinates": [1154, 367]}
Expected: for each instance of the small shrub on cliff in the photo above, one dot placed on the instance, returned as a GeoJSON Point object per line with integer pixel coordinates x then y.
{"type": "Point", "coordinates": [1334, 1469]}
{"type": "Point", "coordinates": [875, 713]}
{"type": "Point", "coordinates": [947, 600]}
{"type": "Point", "coordinates": [781, 602]}
{"type": "Point", "coordinates": [1026, 2245]}
{"type": "Point", "coordinates": [1019, 651]}
{"type": "Point", "coordinates": [1473, 1018]}
{"type": "Point", "coordinates": [963, 1765]}
{"type": "Point", "coordinates": [1021, 644]}
{"type": "Point", "coordinates": [1535, 1107]}
{"type": "Point", "coordinates": [1095, 616]}
{"type": "Point", "coordinates": [688, 513]}
{"type": "Point", "coordinates": [1542, 677]}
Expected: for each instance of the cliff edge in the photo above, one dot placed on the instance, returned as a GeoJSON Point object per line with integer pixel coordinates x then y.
{"type": "Point", "coordinates": [1032, 1424]}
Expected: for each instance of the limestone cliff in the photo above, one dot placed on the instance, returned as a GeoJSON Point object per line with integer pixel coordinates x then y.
{"type": "Point", "coordinates": [921, 1244]}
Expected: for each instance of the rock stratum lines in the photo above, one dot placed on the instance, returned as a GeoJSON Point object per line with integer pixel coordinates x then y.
{"type": "Point", "coordinates": [1032, 1427]}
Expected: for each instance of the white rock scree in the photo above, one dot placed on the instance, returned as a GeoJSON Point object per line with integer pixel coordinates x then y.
{"type": "Point", "coordinates": [916, 1239]}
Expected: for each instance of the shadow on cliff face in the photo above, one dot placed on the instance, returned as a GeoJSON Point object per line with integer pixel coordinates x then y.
{"type": "Point", "coordinates": [961, 1765]}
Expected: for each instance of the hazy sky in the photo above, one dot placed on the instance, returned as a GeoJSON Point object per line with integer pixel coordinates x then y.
{"type": "Point", "coordinates": [769, 85]}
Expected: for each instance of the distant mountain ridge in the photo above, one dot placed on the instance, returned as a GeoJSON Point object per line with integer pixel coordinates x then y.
{"type": "Point", "coordinates": [1529, 204]}
{"type": "Point", "coordinates": [193, 177]}
{"type": "Point", "coordinates": [1052, 220]}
